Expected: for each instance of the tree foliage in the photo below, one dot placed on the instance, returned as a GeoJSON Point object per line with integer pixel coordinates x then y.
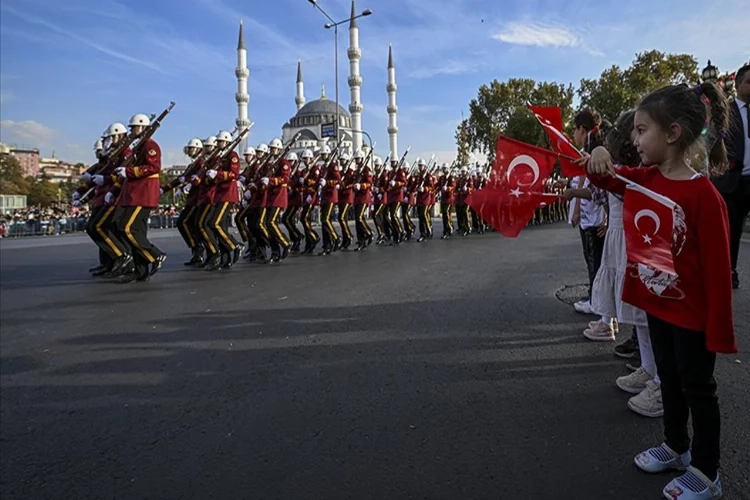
{"type": "Point", "coordinates": [462, 143]}
{"type": "Point", "coordinates": [500, 108]}
{"type": "Point", "coordinates": [12, 180]}
{"type": "Point", "coordinates": [42, 192]}
{"type": "Point", "coordinates": [617, 90]}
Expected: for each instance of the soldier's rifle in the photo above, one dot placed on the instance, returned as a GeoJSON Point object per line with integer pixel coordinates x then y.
{"type": "Point", "coordinates": [364, 163]}
{"type": "Point", "coordinates": [267, 168]}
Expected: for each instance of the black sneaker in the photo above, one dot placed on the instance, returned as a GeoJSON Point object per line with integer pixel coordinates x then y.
{"type": "Point", "coordinates": [634, 363]}
{"type": "Point", "coordinates": [627, 349]}
{"type": "Point", "coordinates": [157, 264]}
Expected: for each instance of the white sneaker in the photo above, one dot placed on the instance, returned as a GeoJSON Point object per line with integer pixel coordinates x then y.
{"type": "Point", "coordinates": [600, 331]}
{"type": "Point", "coordinates": [615, 325]}
{"type": "Point", "coordinates": [648, 403]}
{"type": "Point", "coordinates": [635, 383]}
{"type": "Point", "coordinates": [583, 307]}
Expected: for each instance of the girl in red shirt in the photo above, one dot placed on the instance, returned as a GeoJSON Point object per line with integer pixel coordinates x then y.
{"type": "Point", "coordinates": [689, 328]}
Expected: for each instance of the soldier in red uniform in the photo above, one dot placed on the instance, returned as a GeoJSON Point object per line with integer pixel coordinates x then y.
{"type": "Point", "coordinates": [346, 195]}
{"type": "Point", "coordinates": [241, 219]}
{"type": "Point", "coordinates": [309, 183]}
{"type": "Point", "coordinates": [257, 205]}
{"type": "Point", "coordinates": [464, 187]}
{"type": "Point", "coordinates": [139, 194]}
{"type": "Point", "coordinates": [410, 201]}
{"type": "Point", "coordinates": [481, 183]}
{"type": "Point", "coordinates": [425, 187]}
{"type": "Point", "coordinates": [395, 200]}
{"type": "Point", "coordinates": [447, 188]}
{"type": "Point", "coordinates": [474, 217]}
{"type": "Point", "coordinates": [294, 201]}
{"type": "Point", "coordinates": [329, 199]}
{"type": "Point", "coordinates": [276, 184]}
{"type": "Point", "coordinates": [223, 173]}
{"type": "Point", "coordinates": [204, 196]}
{"type": "Point", "coordinates": [381, 216]}
{"type": "Point", "coordinates": [105, 261]}
{"type": "Point", "coordinates": [362, 201]}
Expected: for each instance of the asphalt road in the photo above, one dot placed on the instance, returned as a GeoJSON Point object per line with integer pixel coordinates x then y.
{"type": "Point", "coordinates": [445, 370]}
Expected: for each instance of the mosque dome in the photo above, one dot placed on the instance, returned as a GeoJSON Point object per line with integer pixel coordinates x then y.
{"type": "Point", "coordinates": [321, 107]}
{"type": "Point", "coordinates": [319, 112]}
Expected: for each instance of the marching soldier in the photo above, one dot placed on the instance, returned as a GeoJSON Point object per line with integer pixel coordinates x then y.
{"type": "Point", "coordinates": [380, 214]}
{"type": "Point", "coordinates": [276, 185]}
{"type": "Point", "coordinates": [223, 174]}
{"type": "Point", "coordinates": [185, 221]}
{"type": "Point", "coordinates": [447, 200]}
{"type": "Point", "coordinates": [329, 199]}
{"type": "Point", "coordinates": [241, 219]}
{"type": "Point", "coordinates": [362, 201]}
{"type": "Point", "coordinates": [309, 185]}
{"type": "Point", "coordinates": [425, 187]}
{"type": "Point", "coordinates": [257, 212]}
{"type": "Point", "coordinates": [410, 201]}
{"type": "Point", "coordinates": [139, 195]}
{"type": "Point", "coordinates": [464, 187]}
{"type": "Point", "coordinates": [204, 201]}
{"type": "Point", "coordinates": [474, 217]}
{"type": "Point", "coordinates": [295, 200]}
{"type": "Point", "coordinates": [481, 184]}
{"type": "Point", "coordinates": [346, 195]}
{"type": "Point", "coordinates": [105, 261]}
{"type": "Point", "coordinates": [395, 200]}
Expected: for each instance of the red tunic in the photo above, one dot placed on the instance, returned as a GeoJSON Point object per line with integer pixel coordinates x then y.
{"type": "Point", "coordinates": [346, 193]}
{"type": "Point", "coordinates": [383, 187]}
{"type": "Point", "coordinates": [295, 189]}
{"type": "Point", "coordinates": [465, 186]}
{"type": "Point", "coordinates": [396, 192]}
{"type": "Point", "coordinates": [141, 186]}
{"type": "Point", "coordinates": [364, 195]}
{"type": "Point", "coordinates": [701, 299]}
{"type": "Point", "coordinates": [260, 195]}
{"type": "Point", "coordinates": [310, 187]}
{"type": "Point", "coordinates": [329, 192]}
{"type": "Point", "coordinates": [226, 179]}
{"type": "Point", "coordinates": [428, 185]}
{"type": "Point", "coordinates": [278, 182]}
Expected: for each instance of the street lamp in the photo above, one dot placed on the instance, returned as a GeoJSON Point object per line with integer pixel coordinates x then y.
{"type": "Point", "coordinates": [710, 73]}
{"type": "Point", "coordinates": [335, 25]}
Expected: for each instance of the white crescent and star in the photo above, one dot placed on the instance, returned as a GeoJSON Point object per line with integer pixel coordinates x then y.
{"type": "Point", "coordinates": [524, 160]}
{"type": "Point", "coordinates": [651, 215]}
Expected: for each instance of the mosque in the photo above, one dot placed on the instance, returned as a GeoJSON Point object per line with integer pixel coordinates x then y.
{"type": "Point", "coordinates": [315, 120]}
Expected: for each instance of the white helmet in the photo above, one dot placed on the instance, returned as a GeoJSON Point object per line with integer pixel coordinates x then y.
{"type": "Point", "coordinates": [359, 155]}
{"type": "Point", "coordinates": [210, 141]}
{"type": "Point", "coordinates": [353, 166]}
{"type": "Point", "coordinates": [325, 150]}
{"type": "Point", "coordinates": [98, 145]}
{"type": "Point", "coordinates": [406, 165]}
{"type": "Point", "coordinates": [307, 154]}
{"type": "Point", "coordinates": [262, 148]}
{"type": "Point", "coordinates": [139, 120]}
{"type": "Point", "coordinates": [345, 157]}
{"type": "Point", "coordinates": [464, 170]}
{"type": "Point", "coordinates": [445, 166]}
{"type": "Point", "coordinates": [378, 161]}
{"type": "Point", "coordinates": [223, 135]}
{"type": "Point", "coordinates": [249, 151]}
{"type": "Point", "coordinates": [292, 157]}
{"type": "Point", "coordinates": [420, 161]}
{"type": "Point", "coordinates": [195, 143]}
{"type": "Point", "coordinates": [275, 143]}
{"type": "Point", "coordinates": [115, 129]}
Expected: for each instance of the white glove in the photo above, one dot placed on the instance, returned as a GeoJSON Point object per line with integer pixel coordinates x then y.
{"type": "Point", "coordinates": [244, 203]}
{"type": "Point", "coordinates": [178, 193]}
{"type": "Point", "coordinates": [322, 182]}
{"type": "Point", "coordinates": [464, 189]}
{"type": "Point", "coordinates": [264, 181]}
{"type": "Point", "coordinates": [212, 173]}
{"type": "Point", "coordinates": [308, 200]}
{"type": "Point", "coordinates": [187, 189]}
{"type": "Point", "coordinates": [301, 180]}
{"type": "Point", "coordinates": [76, 203]}
{"type": "Point", "coordinates": [161, 191]}
{"type": "Point", "coordinates": [120, 172]}
{"type": "Point", "coordinates": [248, 194]}
{"type": "Point", "coordinates": [376, 190]}
{"type": "Point", "coordinates": [98, 179]}
{"type": "Point", "coordinates": [242, 180]}
{"type": "Point", "coordinates": [445, 189]}
{"type": "Point", "coordinates": [182, 179]}
{"type": "Point", "coordinates": [109, 198]}
{"type": "Point", "coordinates": [86, 177]}
{"type": "Point", "coordinates": [421, 189]}
{"type": "Point", "coordinates": [338, 186]}
{"type": "Point", "coordinates": [76, 196]}
{"type": "Point", "coordinates": [380, 196]}
{"type": "Point", "coordinates": [392, 183]}
{"type": "Point", "coordinates": [357, 186]}
{"type": "Point", "coordinates": [193, 177]}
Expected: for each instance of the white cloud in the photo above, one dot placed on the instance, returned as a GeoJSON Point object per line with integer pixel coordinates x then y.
{"type": "Point", "coordinates": [26, 132]}
{"type": "Point", "coordinates": [446, 68]}
{"type": "Point", "coordinates": [538, 35]}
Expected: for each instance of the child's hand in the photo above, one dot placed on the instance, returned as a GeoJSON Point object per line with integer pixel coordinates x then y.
{"type": "Point", "coordinates": [600, 162]}
{"type": "Point", "coordinates": [601, 230]}
{"type": "Point", "coordinates": [568, 194]}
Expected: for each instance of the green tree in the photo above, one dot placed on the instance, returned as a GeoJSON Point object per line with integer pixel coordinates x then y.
{"type": "Point", "coordinates": [11, 176]}
{"type": "Point", "coordinates": [42, 192]}
{"type": "Point", "coordinates": [462, 143]}
{"type": "Point", "coordinates": [617, 90]}
{"type": "Point", "coordinates": [500, 108]}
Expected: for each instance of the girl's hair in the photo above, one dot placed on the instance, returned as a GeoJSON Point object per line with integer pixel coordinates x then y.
{"type": "Point", "coordinates": [591, 121]}
{"type": "Point", "coordinates": [618, 141]}
{"type": "Point", "coordinates": [685, 106]}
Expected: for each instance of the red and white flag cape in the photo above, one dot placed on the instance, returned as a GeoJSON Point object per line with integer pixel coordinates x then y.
{"type": "Point", "coordinates": [550, 118]}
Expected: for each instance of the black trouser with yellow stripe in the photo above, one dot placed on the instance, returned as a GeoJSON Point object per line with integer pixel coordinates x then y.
{"type": "Point", "coordinates": [206, 234]}
{"type": "Point", "coordinates": [277, 239]}
{"type": "Point", "coordinates": [291, 226]}
{"type": "Point", "coordinates": [425, 221]}
{"type": "Point", "coordinates": [216, 226]}
{"type": "Point", "coordinates": [343, 222]}
{"type": "Point", "coordinates": [186, 225]}
{"type": "Point", "coordinates": [242, 221]}
{"type": "Point", "coordinates": [329, 232]}
{"type": "Point", "coordinates": [462, 217]}
{"type": "Point", "coordinates": [132, 224]}
{"type": "Point", "coordinates": [446, 210]}
{"type": "Point", "coordinates": [396, 229]}
{"type": "Point", "coordinates": [104, 259]}
{"type": "Point", "coordinates": [381, 218]}
{"type": "Point", "coordinates": [363, 229]}
{"type": "Point", "coordinates": [406, 215]}
{"type": "Point", "coordinates": [104, 232]}
{"type": "Point", "coordinates": [311, 236]}
{"type": "Point", "coordinates": [257, 226]}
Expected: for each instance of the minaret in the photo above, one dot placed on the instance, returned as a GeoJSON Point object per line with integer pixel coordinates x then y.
{"type": "Point", "coordinates": [355, 81]}
{"type": "Point", "coordinates": [392, 108]}
{"type": "Point", "coordinates": [242, 97]}
{"type": "Point", "coordinates": [300, 99]}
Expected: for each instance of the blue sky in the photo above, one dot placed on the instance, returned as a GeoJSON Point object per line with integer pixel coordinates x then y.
{"type": "Point", "coordinates": [69, 68]}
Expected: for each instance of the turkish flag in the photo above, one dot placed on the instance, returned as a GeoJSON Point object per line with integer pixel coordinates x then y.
{"type": "Point", "coordinates": [654, 229]}
{"type": "Point", "coordinates": [516, 186]}
{"type": "Point", "coordinates": [550, 118]}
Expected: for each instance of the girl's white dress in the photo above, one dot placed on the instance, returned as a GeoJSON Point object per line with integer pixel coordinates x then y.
{"type": "Point", "coordinates": [606, 296]}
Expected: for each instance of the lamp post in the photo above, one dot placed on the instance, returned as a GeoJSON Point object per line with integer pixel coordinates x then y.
{"type": "Point", "coordinates": [335, 25]}
{"type": "Point", "coordinates": [710, 73]}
